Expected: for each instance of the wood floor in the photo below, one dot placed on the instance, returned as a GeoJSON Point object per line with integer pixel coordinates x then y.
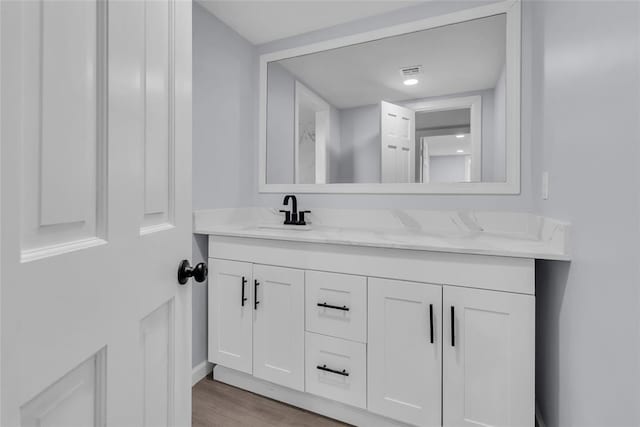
{"type": "Point", "coordinates": [219, 405]}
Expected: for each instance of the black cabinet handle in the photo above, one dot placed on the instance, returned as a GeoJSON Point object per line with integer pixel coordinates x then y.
{"type": "Point", "coordinates": [431, 322]}
{"type": "Point", "coordinates": [244, 282]}
{"type": "Point", "coordinates": [344, 373]}
{"type": "Point", "coordinates": [255, 294]}
{"type": "Point", "coordinates": [453, 327]}
{"type": "Point", "coordinates": [335, 307]}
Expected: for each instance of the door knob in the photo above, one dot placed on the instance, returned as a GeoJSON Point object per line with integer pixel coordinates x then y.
{"type": "Point", "coordinates": [185, 271]}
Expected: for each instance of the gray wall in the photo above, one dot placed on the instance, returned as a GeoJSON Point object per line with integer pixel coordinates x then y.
{"type": "Point", "coordinates": [587, 135]}
{"type": "Point", "coordinates": [224, 105]}
{"type": "Point", "coordinates": [580, 119]}
{"type": "Point", "coordinates": [280, 125]}
{"type": "Point", "coordinates": [360, 144]}
{"type": "Point", "coordinates": [498, 153]}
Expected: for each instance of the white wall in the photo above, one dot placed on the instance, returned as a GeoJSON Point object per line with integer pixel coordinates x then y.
{"type": "Point", "coordinates": [580, 118]}
{"type": "Point", "coordinates": [447, 168]}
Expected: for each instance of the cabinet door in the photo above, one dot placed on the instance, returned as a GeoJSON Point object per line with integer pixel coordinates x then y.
{"type": "Point", "coordinates": [278, 332]}
{"type": "Point", "coordinates": [404, 362]}
{"type": "Point", "coordinates": [231, 316]}
{"type": "Point", "coordinates": [488, 358]}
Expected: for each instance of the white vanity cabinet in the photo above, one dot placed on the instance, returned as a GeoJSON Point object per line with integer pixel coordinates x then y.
{"type": "Point", "coordinates": [488, 358]}
{"type": "Point", "coordinates": [376, 336]}
{"type": "Point", "coordinates": [231, 314]}
{"type": "Point", "coordinates": [278, 328]}
{"type": "Point", "coordinates": [256, 320]}
{"type": "Point", "coordinates": [405, 351]}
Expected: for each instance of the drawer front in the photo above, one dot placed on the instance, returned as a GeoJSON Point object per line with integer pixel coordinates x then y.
{"type": "Point", "coordinates": [336, 369]}
{"type": "Point", "coordinates": [336, 305]}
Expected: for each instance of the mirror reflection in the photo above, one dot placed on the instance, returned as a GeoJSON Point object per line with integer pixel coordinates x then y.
{"type": "Point", "coordinates": [424, 107]}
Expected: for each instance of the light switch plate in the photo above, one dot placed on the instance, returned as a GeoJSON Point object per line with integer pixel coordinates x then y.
{"type": "Point", "coordinates": [545, 185]}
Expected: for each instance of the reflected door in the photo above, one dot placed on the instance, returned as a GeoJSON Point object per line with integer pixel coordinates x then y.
{"type": "Point", "coordinates": [95, 213]}
{"type": "Point", "coordinates": [397, 138]}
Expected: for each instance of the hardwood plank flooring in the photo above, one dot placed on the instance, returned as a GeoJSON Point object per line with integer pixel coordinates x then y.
{"type": "Point", "coordinates": [220, 405]}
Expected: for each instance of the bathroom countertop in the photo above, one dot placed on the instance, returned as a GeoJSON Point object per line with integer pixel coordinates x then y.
{"type": "Point", "coordinates": [508, 234]}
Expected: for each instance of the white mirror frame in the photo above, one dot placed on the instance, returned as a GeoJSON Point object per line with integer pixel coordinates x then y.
{"type": "Point", "coordinates": [512, 150]}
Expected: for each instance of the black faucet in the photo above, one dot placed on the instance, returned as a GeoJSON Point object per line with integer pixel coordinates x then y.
{"type": "Point", "coordinates": [293, 217]}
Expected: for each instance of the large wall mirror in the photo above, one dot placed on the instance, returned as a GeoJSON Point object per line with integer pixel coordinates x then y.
{"type": "Point", "coordinates": [431, 106]}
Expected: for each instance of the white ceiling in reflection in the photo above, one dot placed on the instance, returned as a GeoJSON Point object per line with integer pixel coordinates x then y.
{"type": "Point", "coordinates": [456, 58]}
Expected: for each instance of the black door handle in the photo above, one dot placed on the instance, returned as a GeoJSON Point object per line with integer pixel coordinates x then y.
{"type": "Point", "coordinates": [431, 322]}
{"type": "Point", "coordinates": [453, 326]}
{"type": "Point", "coordinates": [255, 294]}
{"type": "Point", "coordinates": [185, 271]}
{"type": "Point", "coordinates": [244, 282]}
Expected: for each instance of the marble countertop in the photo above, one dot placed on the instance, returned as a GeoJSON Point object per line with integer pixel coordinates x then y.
{"type": "Point", "coordinates": [509, 234]}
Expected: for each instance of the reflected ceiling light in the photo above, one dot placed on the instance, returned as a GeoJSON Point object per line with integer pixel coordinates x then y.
{"type": "Point", "coordinates": [459, 151]}
{"type": "Point", "coordinates": [410, 74]}
{"type": "Point", "coordinates": [460, 136]}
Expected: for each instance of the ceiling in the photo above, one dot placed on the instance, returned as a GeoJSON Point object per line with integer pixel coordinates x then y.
{"type": "Point", "coordinates": [456, 58]}
{"type": "Point", "coordinates": [262, 21]}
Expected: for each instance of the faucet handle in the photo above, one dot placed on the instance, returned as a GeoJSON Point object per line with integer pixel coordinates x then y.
{"type": "Point", "coordinates": [287, 216]}
{"type": "Point", "coordinates": [301, 217]}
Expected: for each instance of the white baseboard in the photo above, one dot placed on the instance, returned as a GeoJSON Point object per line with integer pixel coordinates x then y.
{"type": "Point", "coordinates": [200, 371]}
{"type": "Point", "coordinates": [319, 405]}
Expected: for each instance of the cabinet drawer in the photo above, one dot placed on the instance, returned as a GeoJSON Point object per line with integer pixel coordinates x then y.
{"type": "Point", "coordinates": [336, 305]}
{"type": "Point", "coordinates": [336, 369]}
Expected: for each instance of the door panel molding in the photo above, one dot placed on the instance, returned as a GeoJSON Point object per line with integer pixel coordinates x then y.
{"type": "Point", "coordinates": [63, 122]}
{"type": "Point", "coordinates": [157, 343]}
{"type": "Point", "coordinates": [159, 118]}
{"type": "Point", "coordinates": [81, 393]}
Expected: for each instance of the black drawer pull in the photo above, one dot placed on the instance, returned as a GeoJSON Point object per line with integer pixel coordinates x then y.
{"type": "Point", "coordinates": [244, 282]}
{"type": "Point", "coordinates": [344, 373]}
{"type": "Point", "coordinates": [335, 307]}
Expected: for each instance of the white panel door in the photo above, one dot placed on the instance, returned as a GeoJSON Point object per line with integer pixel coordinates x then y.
{"type": "Point", "coordinates": [404, 351]}
{"type": "Point", "coordinates": [278, 330]}
{"type": "Point", "coordinates": [397, 138]}
{"type": "Point", "coordinates": [95, 195]}
{"type": "Point", "coordinates": [231, 314]}
{"type": "Point", "coordinates": [488, 358]}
